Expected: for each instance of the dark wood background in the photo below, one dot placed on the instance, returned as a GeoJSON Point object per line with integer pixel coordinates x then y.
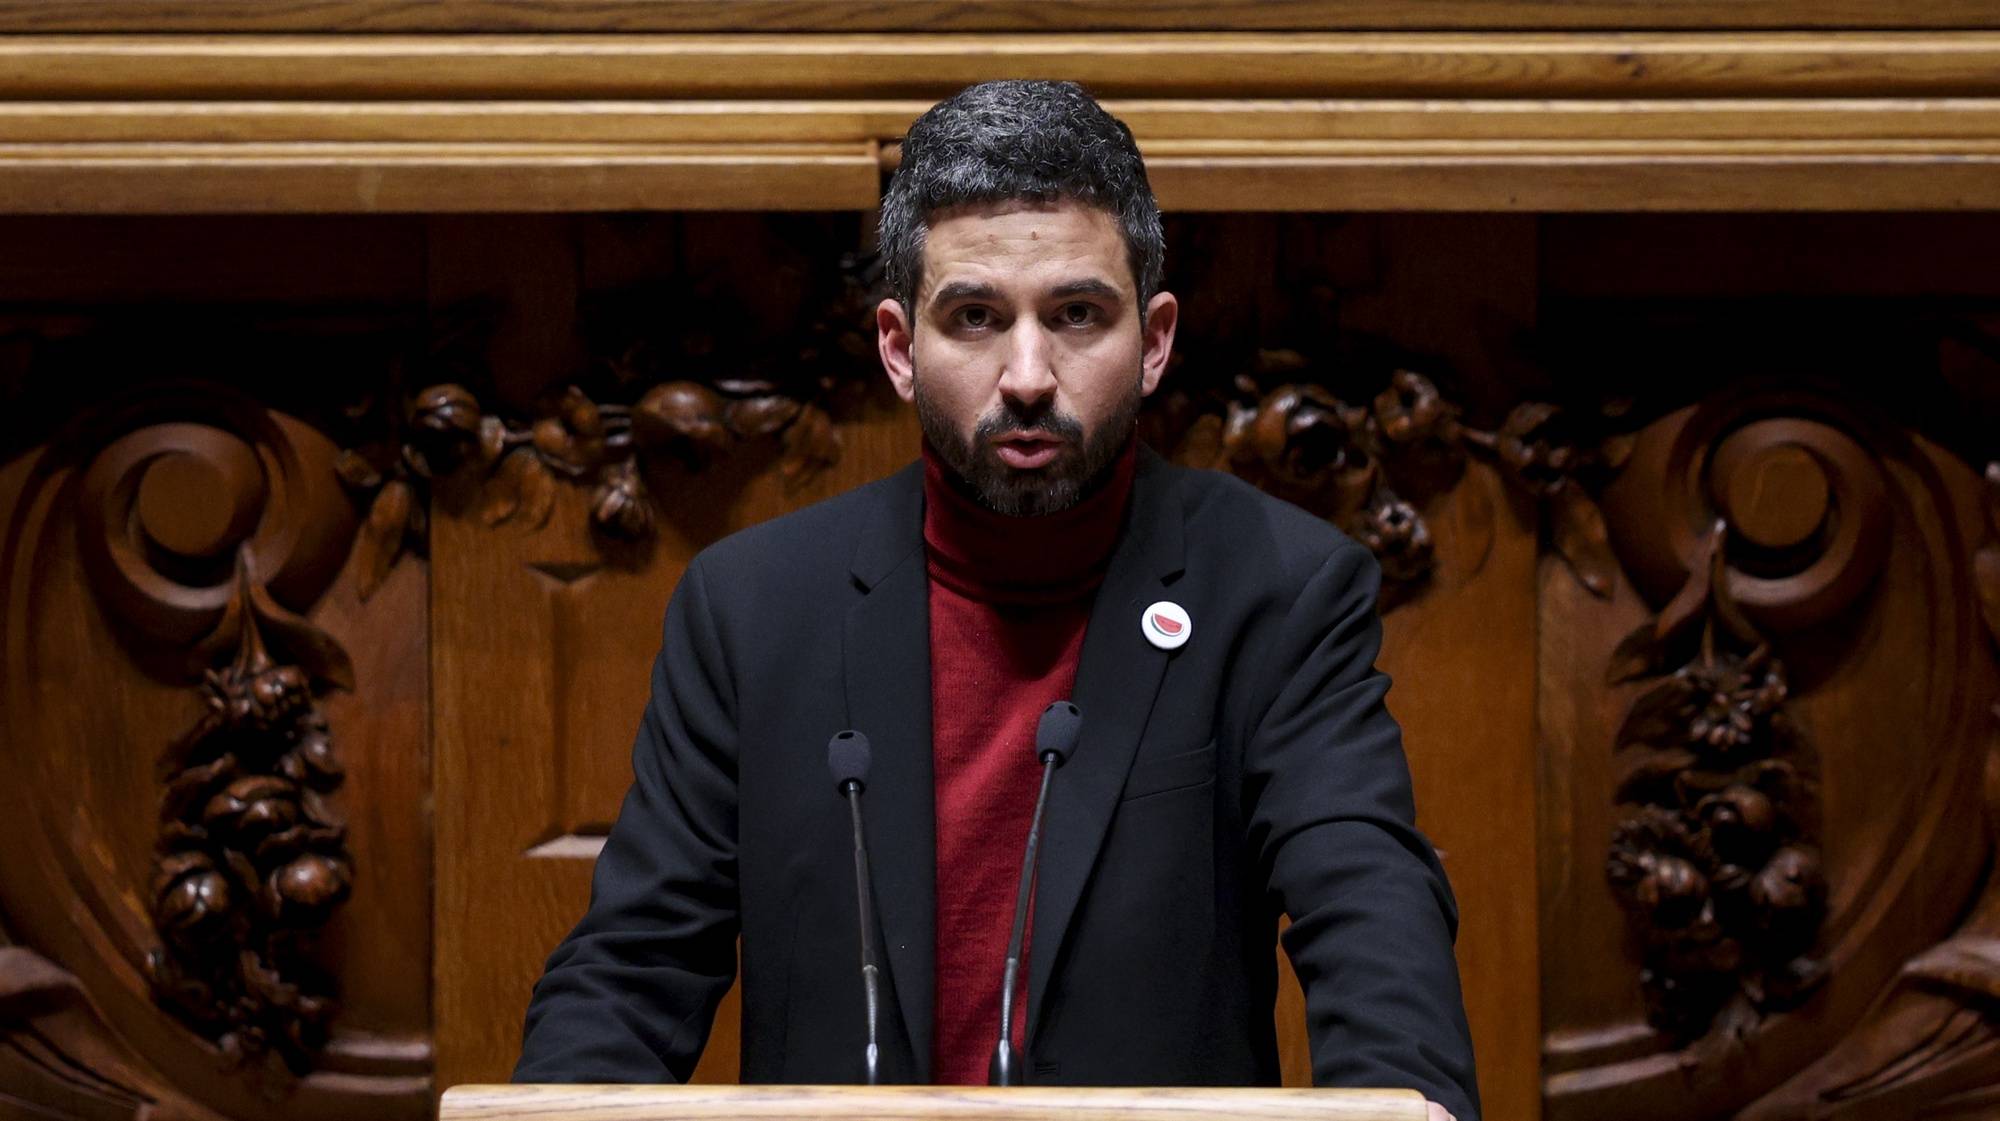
{"type": "Point", "coordinates": [495, 616]}
{"type": "Point", "coordinates": [369, 372]}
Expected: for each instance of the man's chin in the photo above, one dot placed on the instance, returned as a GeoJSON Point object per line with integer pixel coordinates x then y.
{"type": "Point", "coordinates": [1026, 491]}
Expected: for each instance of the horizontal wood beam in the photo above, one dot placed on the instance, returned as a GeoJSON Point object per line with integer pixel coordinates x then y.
{"type": "Point", "coordinates": [1190, 176]}
{"type": "Point", "coordinates": [166, 124]}
{"type": "Point", "coordinates": [1942, 120]}
{"type": "Point", "coordinates": [1570, 182]}
{"type": "Point", "coordinates": [1387, 65]}
{"type": "Point", "coordinates": [374, 16]}
{"type": "Point", "coordinates": [360, 178]}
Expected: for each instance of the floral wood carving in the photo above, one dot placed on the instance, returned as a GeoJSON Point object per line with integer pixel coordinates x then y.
{"type": "Point", "coordinates": [1715, 860]}
{"type": "Point", "coordinates": [672, 377]}
{"type": "Point", "coordinates": [192, 533]}
{"type": "Point", "coordinates": [253, 858]}
{"type": "Point", "coordinates": [1769, 518]}
{"type": "Point", "coordinates": [1356, 463]}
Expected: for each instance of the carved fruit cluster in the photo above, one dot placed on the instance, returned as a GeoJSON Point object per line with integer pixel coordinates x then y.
{"type": "Point", "coordinates": [1354, 463]}
{"type": "Point", "coordinates": [675, 379]}
{"type": "Point", "coordinates": [513, 469]}
{"type": "Point", "coordinates": [1713, 858]}
{"type": "Point", "coordinates": [252, 863]}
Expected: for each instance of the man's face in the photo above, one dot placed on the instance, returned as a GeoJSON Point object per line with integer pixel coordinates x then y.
{"type": "Point", "coordinates": [1025, 353]}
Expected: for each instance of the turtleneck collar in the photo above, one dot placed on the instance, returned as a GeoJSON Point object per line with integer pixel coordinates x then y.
{"type": "Point", "coordinates": [999, 559]}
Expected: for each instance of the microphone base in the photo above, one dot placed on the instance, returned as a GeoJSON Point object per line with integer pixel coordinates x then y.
{"type": "Point", "coordinates": [1005, 1069]}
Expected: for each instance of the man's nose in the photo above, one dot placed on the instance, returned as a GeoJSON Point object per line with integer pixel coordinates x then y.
{"type": "Point", "coordinates": [1029, 376]}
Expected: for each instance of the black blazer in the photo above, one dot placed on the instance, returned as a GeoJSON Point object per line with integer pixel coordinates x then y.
{"type": "Point", "coordinates": [1254, 771]}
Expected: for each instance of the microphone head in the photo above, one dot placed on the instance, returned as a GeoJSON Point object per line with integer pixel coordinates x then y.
{"type": "Point", "coordinates": [1057, 733]}
{"type": "Point", "coordinates": [847, 757]}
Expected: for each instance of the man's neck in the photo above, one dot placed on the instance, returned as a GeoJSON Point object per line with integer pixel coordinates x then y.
{"type": "Point", "coordinates": [1048, 558]}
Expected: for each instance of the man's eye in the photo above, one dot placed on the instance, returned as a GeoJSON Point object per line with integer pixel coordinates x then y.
{"type": "Point", "coordinates": [975, 317]}
{"type": "Point", "coordinates": [1078, 315]}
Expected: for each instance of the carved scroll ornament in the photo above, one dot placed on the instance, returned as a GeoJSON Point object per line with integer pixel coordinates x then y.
{"type": "Point", "coordinates": [1772, 522]}
{"type": "Point", "coordinates": [192, 533]}
{"type": "Point", "coordinates": [1930, 1045]}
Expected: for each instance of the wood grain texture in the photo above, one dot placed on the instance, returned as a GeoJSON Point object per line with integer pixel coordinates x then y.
{"type": "Point", "coordinates": [1578, 183]}
{"type": "Point", "coordinates": [1292, 122]}
{"type": "Point", "coordinates": [90, 664]}
{"type": "Point", "coordinates": [255, 179]}
{"type": "Point", "coordinates": [973, 15]}
{"type": "Point", "coordinates": [1887, 819]}
{"type": "Point", "coordinates": [911, 1103]}
{"type": "Point", "coordinates": [149, 178]}
{"type": "Point", "coordinates": [1232, 65]}
{"type": "Point", "coordinates": [1155, 121]}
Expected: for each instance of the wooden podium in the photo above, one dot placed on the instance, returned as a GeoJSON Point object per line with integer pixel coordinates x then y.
{"type": "Point", "coordinates": [920, 1103]}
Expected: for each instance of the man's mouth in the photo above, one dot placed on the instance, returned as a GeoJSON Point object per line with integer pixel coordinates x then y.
{"type": "Point", "coordinates": [1027, 450]}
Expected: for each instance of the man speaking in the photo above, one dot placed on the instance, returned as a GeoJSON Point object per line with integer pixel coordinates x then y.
{"type": "Point", "coordinates": [1230, 759]}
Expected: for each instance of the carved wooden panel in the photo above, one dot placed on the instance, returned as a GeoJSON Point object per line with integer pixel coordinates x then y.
{"type": "Point", "coordinates": [334, 564]}
{"type": "Point", "coordinates": [179, 847]}
{"type": "Point", "coordinates": [211, 882]}
{"type": "Point", "coordinates": [1772, 743]}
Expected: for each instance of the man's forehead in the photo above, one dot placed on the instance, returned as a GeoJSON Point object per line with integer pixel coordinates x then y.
{"type": "Point", "coordinates": [1060, 242]}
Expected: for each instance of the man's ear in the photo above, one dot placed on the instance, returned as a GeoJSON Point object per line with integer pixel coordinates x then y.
{"type": "Point", "coordinates": [894, 337]}
{"type": "Point", "coordinates": [1163, 313]}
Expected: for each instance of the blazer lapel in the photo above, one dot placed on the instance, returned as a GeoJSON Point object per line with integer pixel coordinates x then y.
{"type": "Point", "coordinates": [1118, 677]}
{"type": "Point", "coordinates": [888, 669]}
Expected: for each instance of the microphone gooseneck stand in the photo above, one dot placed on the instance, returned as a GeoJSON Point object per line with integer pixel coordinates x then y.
{"type": "Point", "coordinates": [848, 757]}
{"type": "Point", "coordinates": [1055, 738]}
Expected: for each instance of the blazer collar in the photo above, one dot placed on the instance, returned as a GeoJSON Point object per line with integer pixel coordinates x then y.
{"type": "Point", "coordinates": [1117, 681]}
{"type": "Point", "coordinates": [887, 664]}
{"type": "Point", "coordinates": [894, 529]}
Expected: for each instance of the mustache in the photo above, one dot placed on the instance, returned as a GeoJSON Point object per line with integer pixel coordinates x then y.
{"type": "Point", "coordinates": [1013, 417]}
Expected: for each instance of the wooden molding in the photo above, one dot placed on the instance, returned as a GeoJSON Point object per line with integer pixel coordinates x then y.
{"type": "Point", "coordinates": [911, 1103]}
{"type": "Point", "coordinates": [1532, 182]}
{"type": "Point", "coordinates": [1231, 121]}
{"type": "Point", "coordinates": [1291, 65]}
{"type": "Point", "coordinates": [1163, 125]}
{"type": "Point", "coordinates": [976, 15]}
{"type": "Point", "coordinates": [246, 179]}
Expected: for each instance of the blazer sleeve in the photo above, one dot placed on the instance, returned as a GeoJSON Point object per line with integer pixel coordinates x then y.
{"type": "Point", "coordinates": [630, 994]}
{"type": "Point", "coordinates": [1333, 822]}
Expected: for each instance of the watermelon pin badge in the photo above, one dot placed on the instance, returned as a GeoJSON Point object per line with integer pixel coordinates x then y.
{"type": "Point", "coordinates": [1166, 625]}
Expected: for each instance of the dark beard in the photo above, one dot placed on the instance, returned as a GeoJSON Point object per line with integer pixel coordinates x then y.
{"type": "Point", "coordinates": [1085, 462]}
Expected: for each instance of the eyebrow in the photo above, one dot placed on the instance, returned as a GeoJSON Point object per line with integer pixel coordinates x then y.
{"type": "Point", "coordinates": [964, 290]}
{"type": "Point", "coordinates": [969, 290]}
{"type": "Point", "coordinates": [1090, 286]}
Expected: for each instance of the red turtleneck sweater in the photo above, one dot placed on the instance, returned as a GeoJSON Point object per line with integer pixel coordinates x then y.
{"type": "Point", "coordinates": [1009, 598]}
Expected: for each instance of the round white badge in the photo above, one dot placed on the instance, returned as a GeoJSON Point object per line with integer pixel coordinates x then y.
{"type": "Point", "coordinates": [1166, 625]}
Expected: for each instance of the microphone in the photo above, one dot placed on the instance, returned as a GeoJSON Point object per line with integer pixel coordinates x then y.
{"type": "Point", "coordinates": [1055, 739]}
{"type": "Point", "coordinates": [847, 756]}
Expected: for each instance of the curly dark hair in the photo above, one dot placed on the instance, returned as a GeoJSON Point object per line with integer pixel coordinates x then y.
{"type": "Point", "coordinates": [1039, 141]}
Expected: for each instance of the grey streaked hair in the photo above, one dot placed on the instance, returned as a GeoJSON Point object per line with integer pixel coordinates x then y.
{"type": "Point", "coordinates": [1036, 141]}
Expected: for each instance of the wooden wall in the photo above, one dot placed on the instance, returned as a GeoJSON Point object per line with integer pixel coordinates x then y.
{"type": "Point", "coordinates": [368, 373]}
